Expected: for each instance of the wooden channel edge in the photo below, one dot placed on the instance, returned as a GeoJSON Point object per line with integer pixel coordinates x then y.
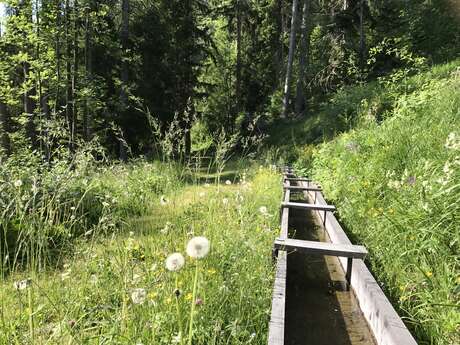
{"type": "Point", "coordinates": [383, 320]}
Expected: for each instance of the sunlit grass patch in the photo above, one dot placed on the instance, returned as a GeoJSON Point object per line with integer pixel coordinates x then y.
{"type": "Point", "coordinates": [117, 289]}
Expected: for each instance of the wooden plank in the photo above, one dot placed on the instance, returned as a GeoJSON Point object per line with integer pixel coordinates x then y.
{"type": "Point", "coordinates": [322, 248]}
{"type": "Point", "coordinates": [277, 316]}
{"type": "Point", "coordinates": [299, 205]}
{"type": "Point", "coordinates": [297, 179]}
{"type": "Point", "coordinates": [383, 320]}
{"type": "Point", "coordinates": [301, 188]}
{"type": "Point", "coordinates": [285, 216]}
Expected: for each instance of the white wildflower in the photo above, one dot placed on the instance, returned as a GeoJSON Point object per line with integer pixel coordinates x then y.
{"type": "Point", "coordinates": [93, 279]}
{"type": "Point", "coordinates": [22, 284]}
{"type": "Point", "coordinates": [34, 188]}
{"type": "Point", "coordinates": [263, 210]}
{"type": "Point", "coordinates": [452, 142]}
{"type": "Point", "coordinates": [105, 204]}
{"type": "Point", "coordinates": [163, 200]}
{"type": "Point", "coordinates": [446, 168]}
{"type": "Point", "coordinates": [177, 338]}
{"type": "Point", "coordinates": [394, 184]}
{"type": "Point", "coordinates": [225, 201]}
{"type": "Point", "coordinates": [18, 183]}
{"type": "Point", "coordinates": [228, 182]}
{"type": "Point", "coordinates": [175, 262]}
{"type": "Point", "coordinates": [166, 228]}
{"type": "Point", "coordinates": [136, 278]}
{"type": "Point", "coordinates": [66, 275]}
{"type": "Point", "coordinates": [198, 247]}
{"type": "Point", "coordinates": [138, 296]}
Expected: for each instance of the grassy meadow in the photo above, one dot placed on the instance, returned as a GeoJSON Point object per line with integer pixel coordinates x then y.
{"type": "Point", "coordinates": [84, 263]}
{"type": "Point", "coordinates": [393, 171]}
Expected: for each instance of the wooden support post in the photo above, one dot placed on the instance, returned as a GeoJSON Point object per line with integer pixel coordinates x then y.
{"type": "Point", "coordinates": [348, 274]}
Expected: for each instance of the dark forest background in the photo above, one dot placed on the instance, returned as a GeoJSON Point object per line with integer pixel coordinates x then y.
{"type": "Point", "coordinates": [125, 73]}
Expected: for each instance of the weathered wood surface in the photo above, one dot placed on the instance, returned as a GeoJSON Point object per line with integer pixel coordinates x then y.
{"type": "Point", "coordinates": [322, 248]}
{"type": "Point", "coordinates": [300, 205]}
{"type": "Point", "coordinates": [285, 216]}
{"type": "Point", "coordinates": [297, 179]}
{"type": "Point", "coordinates": [384, 322]}
{"type": "Point", "coordinates": [301, 188]}
{"type": "Point", "coordinates": [277, 317]}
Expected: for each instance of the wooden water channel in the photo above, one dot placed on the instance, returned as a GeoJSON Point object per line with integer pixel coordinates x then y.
{"type": "Point", "coordinates": [323, 292]}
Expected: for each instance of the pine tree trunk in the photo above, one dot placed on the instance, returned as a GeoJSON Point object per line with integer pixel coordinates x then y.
{"type": "Point", "coordinates": [300, 102]}
{"type": "Point", "coordinates": [238, 57]}
{"type": "Point", "coordinates": [287, 83]}
{"type": "Point", "coordinates": [362, 38]}
{"type": "Point", "coordinates": [69, 90]}
{"type": "Point", "coordinates": [29, 106]}
{"type": "Point", "coordinates": [280, 38]}
{"type": "Point", "coordinates": [124, 71]}
{"type": "Point", "coordinates": [4, 130]}
{"type": "Point", "coordinates": [89, 73]}
{"type": "Point", "coordinates": [75, 70]}
{"type": "Point", "coordinates": [58, 58]}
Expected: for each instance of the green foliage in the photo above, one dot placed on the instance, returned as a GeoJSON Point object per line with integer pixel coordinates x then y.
{"type": "Point", "coordinates": [396, 187]}
{"type": "Point", "coordinates": [90, 298]}
{"type": "Point", "coordinates": [44, 209]}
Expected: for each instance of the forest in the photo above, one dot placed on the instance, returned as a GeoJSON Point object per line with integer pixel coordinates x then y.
{"type": "Point", "coordinates": [130, 128]}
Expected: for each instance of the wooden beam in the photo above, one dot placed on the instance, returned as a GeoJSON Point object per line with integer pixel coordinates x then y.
{"type": "Point", "coordinates": [277, 317]}
{"type": "Point", "coordinates": [299, 205]}
{"type": "Point", "coordinates": [322, 248]}
{"type": "Point", "coordinates": [301, 188]}
{"type": "Point", "coordinates": [297, 179]}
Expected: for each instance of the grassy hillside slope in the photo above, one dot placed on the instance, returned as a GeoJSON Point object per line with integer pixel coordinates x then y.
{"type": "Point", "coordinates": [394, 176]}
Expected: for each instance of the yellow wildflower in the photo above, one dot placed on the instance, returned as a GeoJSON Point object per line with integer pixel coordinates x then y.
{"type": "Point", "coordinates": [188, 297]}
{"type": "Point", "coordinates": [429, 274]}
{"type": "Point", "coordinates": [152, 295]}
{"type": "Point", "coordinates": [211, 271]}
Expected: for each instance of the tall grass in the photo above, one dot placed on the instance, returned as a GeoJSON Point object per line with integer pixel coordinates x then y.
{"type": "Point", "coordinates": [396, 184]}
{"type": "Point", "coordinates": [115, 289]}
{"type": "Point", "coordinates": [44, 209]}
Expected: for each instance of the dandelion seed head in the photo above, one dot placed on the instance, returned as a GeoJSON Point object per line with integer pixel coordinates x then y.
{"type": "Point", "coordinates": [198, 247]}
{"type": "Point", "coordinates": [175, 262]}
{"type": "Point", "coordinates": [138, 296]}
{"type": "Point", "coordinates": [22, 284]}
